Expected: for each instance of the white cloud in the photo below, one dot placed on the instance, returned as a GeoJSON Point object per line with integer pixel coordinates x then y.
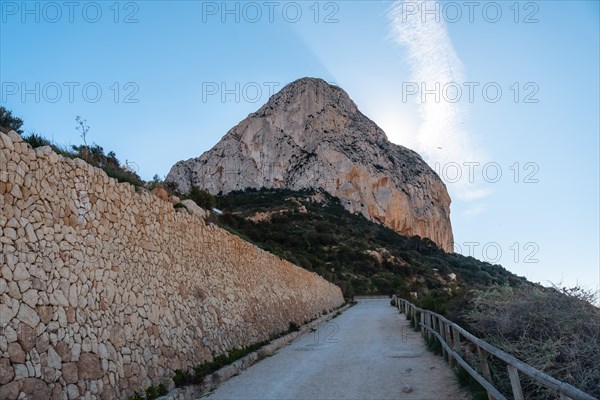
{"type": "Point", "coordinates": [474, 210]}
{"type": "Point", "coordinates": [442, 137]}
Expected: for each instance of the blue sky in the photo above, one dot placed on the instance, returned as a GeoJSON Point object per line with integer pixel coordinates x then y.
{"type": "Point", "coordinates": [176, 76]}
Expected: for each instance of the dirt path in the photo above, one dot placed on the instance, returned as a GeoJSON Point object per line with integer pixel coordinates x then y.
{"type": "Point", "coordinates": [369, 352]}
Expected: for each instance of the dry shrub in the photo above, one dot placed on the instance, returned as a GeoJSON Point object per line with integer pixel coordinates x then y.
{"type": "Point", "coordinates": [554, 330]}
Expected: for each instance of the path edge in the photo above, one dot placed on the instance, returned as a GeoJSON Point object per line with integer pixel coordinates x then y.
{"type": "Point", "coordinates": [215, 379]}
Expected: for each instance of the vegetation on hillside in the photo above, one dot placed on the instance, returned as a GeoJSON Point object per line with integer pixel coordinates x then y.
{"type": "Point", "coordinates": [10, 122]}
{"type": "Point", "coordinates": [554, 330]}
{"type": "Point", "coordinates": [92, 154]}
{"type": "Point", "coordinates": [313, 230]}
{"type": "Point", "coordinates": [202, 198]}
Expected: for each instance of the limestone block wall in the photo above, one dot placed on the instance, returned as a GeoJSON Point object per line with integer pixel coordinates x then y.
{"type": "Point", "coordinates": [104, 289]}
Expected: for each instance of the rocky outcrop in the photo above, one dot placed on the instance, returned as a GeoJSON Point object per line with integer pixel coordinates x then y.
{"type": "Point", "coordinates": [105, 289]}
{"type": "Point", "coordinates": [312, 135]}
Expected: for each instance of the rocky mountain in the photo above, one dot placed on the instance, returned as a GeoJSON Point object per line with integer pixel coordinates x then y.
{"type": "Point", "coordinates": [311, 135]}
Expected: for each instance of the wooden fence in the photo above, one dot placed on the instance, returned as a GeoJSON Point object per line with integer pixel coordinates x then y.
{"type": "Point", "coordinates": [451, 336]}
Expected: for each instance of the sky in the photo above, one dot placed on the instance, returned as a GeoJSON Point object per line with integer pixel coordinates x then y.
{"type": "Point", "coordinates": [500, 98]}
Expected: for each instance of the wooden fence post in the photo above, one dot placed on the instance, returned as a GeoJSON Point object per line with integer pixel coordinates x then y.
{"type": "Point", "coordinates": [431, 325]}
{"type": "Point", "coordinates": [515, 382]}
{"type": "Point", "coordinates": [450, 341]}
{"type": "Point", "coordinates": [456, 340]}
{"type": "Point", "coordinates": [428, 324]}
{"type": "Point", "coordinates": [485, 368]}
{"type": "Point", "coordinates": [440, 330]}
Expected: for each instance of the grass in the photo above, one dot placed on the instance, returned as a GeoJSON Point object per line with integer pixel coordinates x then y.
{"type": "Point", "coordinates": [197, 374]}
{"type": "Point", "coordinates": [414, 322]}
{"type": "Point", "coordinates": [151, 392]}
{"type": "Point", "coordinates": [433, 345]}
{"type": "Point", "coordinates": [466, 381]}
{"type": "Point", "coordinates": [93, 155]}
{"type": "Point", "coordinates": [203, 370]}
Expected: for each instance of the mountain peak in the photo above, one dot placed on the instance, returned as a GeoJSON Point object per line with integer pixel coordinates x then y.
{"type": "Point", "coordinates": [314, 103]}
{"type": "Point", "coordinates": [315, 89]}
{"type": "Point", "coordinates": [311, 135]}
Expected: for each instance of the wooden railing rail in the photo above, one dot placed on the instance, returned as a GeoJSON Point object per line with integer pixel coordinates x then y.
{"type": "Point", "coordinates": [450, 334]}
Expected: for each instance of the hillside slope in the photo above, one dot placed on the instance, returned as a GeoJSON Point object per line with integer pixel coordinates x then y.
{"type": "Point", "coordinates": [312, 229]}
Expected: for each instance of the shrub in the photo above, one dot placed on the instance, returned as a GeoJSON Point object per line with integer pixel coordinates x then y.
{"type": "Point", "coordinates": [202, 198]}
{"type": "Point", "coordinates": [293, 327]}
{"type": "Point", "coordinates": [466, 381]}
{"type": "Point", "coordinates": [8, 121]}
{"type": "Point", "coordinates": [36, 140]}
{"type": "Point", "coordinates": [433, 345]}
{"type": "Point", "coordinates": [553, 330]}
{"type": "Point", "coordinates": [162, 389]}
{"type": "Point", "coordinates": [151, 392]}
{"type": "Point", "coordinates": [207, 368]}
{"type": "Point", "coordinates": [181, 378]}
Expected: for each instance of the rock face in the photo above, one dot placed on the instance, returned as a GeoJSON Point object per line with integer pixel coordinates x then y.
{"type": "Point", "coordinates": [312, 135]}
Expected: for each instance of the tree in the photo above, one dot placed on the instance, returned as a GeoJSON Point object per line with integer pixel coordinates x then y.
{"type": "Point", "coordinates": [7, 120]}
{"type": "Point", "coordinates": [202, 198]}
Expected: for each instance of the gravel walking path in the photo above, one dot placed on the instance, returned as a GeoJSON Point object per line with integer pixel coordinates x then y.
{"type": "Point", "coordinates": [368, 352]}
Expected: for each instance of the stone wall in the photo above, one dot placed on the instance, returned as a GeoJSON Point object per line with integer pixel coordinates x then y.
{"type": "Point", "coordinates": [104, 289]}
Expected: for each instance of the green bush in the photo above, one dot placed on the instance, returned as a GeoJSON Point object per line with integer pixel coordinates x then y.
{"type": "Point", "coordinates": [162, 389]}
{"type": "Point", "coordinates": [433, 345]}
{"type": "Point", "coordinates": [207, 368]}
{"type": "Point", "coordinates": [293, 327]}
{"type": "Point", "coordinates": [36, 140]}
{"type": "Point", "coordinates": [202, 198]}
{"type": "Point", "coordinates": [466, 381]}
{"type": "Point", "coordinates": [181, 378]}
{"type": "Point", "coordinates": [151, 392]}
{"type": "Point", "coordinates": [8, 121]}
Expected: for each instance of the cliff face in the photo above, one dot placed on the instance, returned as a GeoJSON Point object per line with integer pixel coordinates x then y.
{"type": "Point", "coordinates": [312, 135]}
